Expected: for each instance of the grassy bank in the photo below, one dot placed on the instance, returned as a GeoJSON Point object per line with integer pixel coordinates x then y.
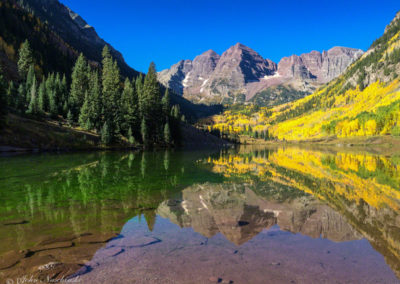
{"type": "Point", "coordinates": [25, 134]}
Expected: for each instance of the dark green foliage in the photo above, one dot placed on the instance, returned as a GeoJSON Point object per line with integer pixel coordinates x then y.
{"type": "Point", "coordinates": [25, 59]}
{"type": "Point", "coordinates": [3, 98]}
{"type": "Point", "coordinates": [129, 109]}
{"type": "Point", "coordinates": [42, 101]}
{"type": "Point", "coordinates": [84, 116]}
{"type": "Point", "coordinates": [277, 95]}
{"type": "Point", "coordinates": [79, 85]}
{"type": "Point", "coordinates": [70, 117]}
{"type": "Point", "coordinates": [150, 105]}
{"type": "Point", "coordinates": [33, 107]}
{"type": "Point", "coordinates": [30, 77]}
{"type": "Point", "coordinates": [137, 111]}
{"type": "Point", "coordinates": [95, 98]}
{"type": "Point", "coordinates": [111, 93]}
{"type": "Point", "coordinates": [106, 135]}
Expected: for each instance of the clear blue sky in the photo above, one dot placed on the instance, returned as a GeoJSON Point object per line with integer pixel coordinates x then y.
{"type": "Point", "coordinates": [166, 31]}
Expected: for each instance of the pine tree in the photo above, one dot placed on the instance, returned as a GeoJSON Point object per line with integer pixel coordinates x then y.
{"type": "Point", "coordinates": [29, 81]}
{"type": "Point", "coordinates": [42, 100]}
{"type": "Point", "coordinates": [139, 91]}
{"type": "Point", "coordinates": [70, 117]}
{"type": "Point", "coordinates": [33, 103]}
{"type": "Point", "coordinates": [58, 93]}
{"type": "Point", "coordinates": [53, 107]}
{"type": "Point", "coordinates": [111, 92]}
{"type": "Point", "coordinates": [84, 116]}
{"type": "Point", "coordinates": [129, 108]}
{"type": "Point", "coordinates": [95, 106]}
{"type": "Point", "coordinates": [167, 134]}
{"type": "Point", "coordinates": [151, 103]}
{"type": "Point", "coordinates": [106, 136]}
{"type": "Point", "coordinates": [64, 94]}
{"type": "Point", "coordinates": [79, 85]}
{"type": "Point", "coordinates": [25, 59]}
{"type": "Point", "coordinates": [65, 109]}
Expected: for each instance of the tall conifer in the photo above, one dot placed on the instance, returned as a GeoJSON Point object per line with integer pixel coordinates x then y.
{"type": "Point", "coordinates": [25, 59]}
{"type": "Point", "coordinates": [79, 85]}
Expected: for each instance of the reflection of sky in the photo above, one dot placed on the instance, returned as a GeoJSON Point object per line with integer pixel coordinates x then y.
{"type": "Point", "coordinates": [182, 255]}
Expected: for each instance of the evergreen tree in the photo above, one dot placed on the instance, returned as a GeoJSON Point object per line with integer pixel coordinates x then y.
{"type": "Point", "coordinates": [106, 136]}
{"type": "Point", "coordinates": [95, 105]}
{"type": "Point", "coordinates": [33, 103]}
{"type": "Point", "coordinates": [151, 104]}
{"type": "Point", "coordinates": [53, 107]}
{"type": "Point", "coordinates": [129, 108]}
{"type": "Point", "coordinates": [70, 117]}
{"type": "Point", "coordinates": [167, 134]}
{"type": "Point", "coordinates": [139, 92]}
{"type": "Point", "coordinates": [64, 95]}
{"type": "Point", "coordinates": [111, 92]}
{"type": "Point", "coordinates": [25, 59]}
{"type": "Point", "coordinates": [58, 93]}
{"type": "Point", "coordinates": [79, 85]}
{"type": "Point", "coordinates": [30, 77]}
{"type": "Point", "coordinates": [42, 100]}
{"type": "Point", "coordinates": [65, 109]}
{"type": "Point", "coordinates": [84, 116]}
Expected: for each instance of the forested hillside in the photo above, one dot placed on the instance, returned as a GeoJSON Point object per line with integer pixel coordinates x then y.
{"type": "Point", "coordinates": [364, 101]}
{"type": "Point", "coordinates": [96, 100]}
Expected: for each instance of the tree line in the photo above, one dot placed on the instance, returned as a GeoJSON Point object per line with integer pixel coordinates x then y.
{"type": "Point", "coordinates": [97, 99]}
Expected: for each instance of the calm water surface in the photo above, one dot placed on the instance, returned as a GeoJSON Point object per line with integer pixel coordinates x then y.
{"type": "Point", "coordinates": [284, 215]}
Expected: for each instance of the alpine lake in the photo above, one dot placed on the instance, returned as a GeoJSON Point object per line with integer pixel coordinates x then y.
{"type": "Point", "coordinates": [239, 215]}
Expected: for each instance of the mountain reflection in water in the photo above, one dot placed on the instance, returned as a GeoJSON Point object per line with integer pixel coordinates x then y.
{"type": "Point", "coordinates": [67, 215]}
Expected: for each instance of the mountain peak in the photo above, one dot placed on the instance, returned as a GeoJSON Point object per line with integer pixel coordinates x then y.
{"type": "Point", "coordinates": [242, 72]}
{"type": "Point", "coordinates": [240, 46]}
{"type": "Point", "coordinates": [210, 52]}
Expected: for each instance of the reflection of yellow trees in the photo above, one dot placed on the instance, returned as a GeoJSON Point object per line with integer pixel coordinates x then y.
{"type": "Point", "coordinates": [373, 179]}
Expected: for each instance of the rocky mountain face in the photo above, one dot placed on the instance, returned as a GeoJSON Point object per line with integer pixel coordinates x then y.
{"type": "Point", "coordinates": [240, 74]}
